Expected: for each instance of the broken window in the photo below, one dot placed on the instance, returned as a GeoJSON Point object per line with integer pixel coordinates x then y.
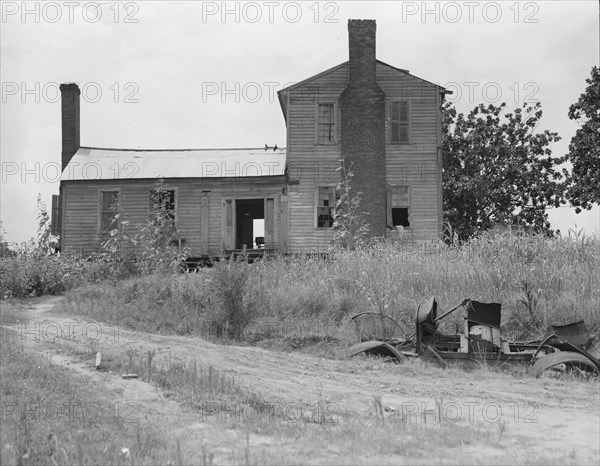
{"type": "Point", "coordinates": [163, 201]}
{"type": "Point", "coordinates": [400, 216]}
{"type": "Point", "coordinates": [325, 206]}
{"type": "Point", "coordinates": [326, 124]}
{"type": "Point", "coordinates": [108, 210]}
{"type": "Point", "coordinates": [399, 122]}
{"type": "Point", "coordinates": [399, 206]}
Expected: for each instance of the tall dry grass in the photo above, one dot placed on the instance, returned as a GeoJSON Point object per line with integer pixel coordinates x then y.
{"type": "Point", "coordinates": [539, 281]}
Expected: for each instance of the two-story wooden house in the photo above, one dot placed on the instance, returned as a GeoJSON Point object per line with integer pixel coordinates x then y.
{"type": "Point", "coordinates": [379, 120]}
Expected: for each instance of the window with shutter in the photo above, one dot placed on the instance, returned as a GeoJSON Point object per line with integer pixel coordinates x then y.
{"type": "Point", "coordinates": [326, 128]}
{"type": "Point", "coordinates": [399, 122]}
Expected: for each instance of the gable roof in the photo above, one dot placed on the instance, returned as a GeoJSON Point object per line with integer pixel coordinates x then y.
{"type": "Point", "coordinates": [282, 94]}
{"type": "Point", "coordinates": [91, 163]}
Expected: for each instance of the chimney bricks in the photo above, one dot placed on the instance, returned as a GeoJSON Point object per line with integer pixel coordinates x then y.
{"type": "Point", "coordinates": [363, 125]}
{"type": "Point", "coordinates": [361, 34]}
{"type": "Point", "coordinates": [70, 121]}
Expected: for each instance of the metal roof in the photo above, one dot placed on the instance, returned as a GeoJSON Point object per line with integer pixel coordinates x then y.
{"type": "Point", "coordinates": [108, 164]}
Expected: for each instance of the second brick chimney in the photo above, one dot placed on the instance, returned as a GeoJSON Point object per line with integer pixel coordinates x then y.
{"type": "Point", "coordinates": [363, 125]}
{"type": "Point", "coordinates": [70, 121]}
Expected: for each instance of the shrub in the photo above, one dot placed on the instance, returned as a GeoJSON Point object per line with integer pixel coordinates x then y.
{"type": "Point", "coordinates": [350, 229]}
{"type": "Point", "coordinates": [230, 309]}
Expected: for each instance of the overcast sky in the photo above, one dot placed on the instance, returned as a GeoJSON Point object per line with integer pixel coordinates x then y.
{"type": "Point", "coordinates": [205, 74]}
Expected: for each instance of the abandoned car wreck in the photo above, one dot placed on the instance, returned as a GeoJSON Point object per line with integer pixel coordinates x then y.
{"type": "Point", "coordinates": [381, 121]}
{"type": "Point", "coordinates": [565, 348]}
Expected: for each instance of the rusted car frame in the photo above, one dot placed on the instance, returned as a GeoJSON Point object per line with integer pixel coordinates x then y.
{"type": "Point", "coordinates": [480, 340]}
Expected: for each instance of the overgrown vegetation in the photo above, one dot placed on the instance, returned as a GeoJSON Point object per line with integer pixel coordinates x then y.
{"type": "Point", "coordinates": [36, 270]}
{"type": "Point", "coordinates": [539, 281]}
{"type": "Point", "coordinates": [350, 230]}
{"type": "Point", "coordinates": [154, 248]}
{"type": "Point", "coordinates": [308, 300]}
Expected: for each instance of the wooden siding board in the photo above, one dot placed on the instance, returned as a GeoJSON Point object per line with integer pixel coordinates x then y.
{"type": "Point", "coordinates": [193, 204]}
{"type": "Point", "coordinates": [310, 165]}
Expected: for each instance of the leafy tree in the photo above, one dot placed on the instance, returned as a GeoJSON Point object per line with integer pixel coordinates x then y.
{"type": "Point", "coordinates": [46, 242]}
{"type": "Point", "coordinates": [158, 236]}
{"type": "Point", "coordinates": [583, 182]}
{"type": "Point", "coordinates": [497, 170]}
{"type": "Point", "coordinates": [5, 250]}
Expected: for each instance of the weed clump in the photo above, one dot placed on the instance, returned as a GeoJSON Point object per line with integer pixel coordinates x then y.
{"type": "Point", "coordinates": [230, 308]}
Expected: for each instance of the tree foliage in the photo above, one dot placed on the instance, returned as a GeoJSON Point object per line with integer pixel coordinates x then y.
{"type": "Point", "coordinates": [5, 250]}
{"type": "Point", "coordinates": [497, 170]}
{"type": "Point", "coordinates": [46, 243]}
{"type": "Point", "coordinates": [583, 181]}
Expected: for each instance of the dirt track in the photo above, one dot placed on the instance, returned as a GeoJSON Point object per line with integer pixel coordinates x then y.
{"type": "Point", "coordinates": [549, 417]}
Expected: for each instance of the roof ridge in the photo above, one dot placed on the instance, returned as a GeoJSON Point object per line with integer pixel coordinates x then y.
{"type": "Point", "coordinates": [332, 69]}
{"type": "Point", "coordinates": [179, 150]}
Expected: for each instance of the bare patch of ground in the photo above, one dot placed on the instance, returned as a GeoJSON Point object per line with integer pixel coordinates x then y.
{"type": "Point", "coordinates": [330, 406]}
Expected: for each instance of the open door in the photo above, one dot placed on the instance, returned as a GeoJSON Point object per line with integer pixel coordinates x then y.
{"type": "Point", "coordinates": [238, 228]}
{"type": "Point", "coordinates": [247, 212]}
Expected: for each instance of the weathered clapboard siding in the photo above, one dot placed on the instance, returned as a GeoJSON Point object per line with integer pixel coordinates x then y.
{"type": "Point", "coordinates": [414, 164]}
{"type": "Point", "coordinates": [310, 164]}
{"type": "Point", "coordinates": [194, 197]}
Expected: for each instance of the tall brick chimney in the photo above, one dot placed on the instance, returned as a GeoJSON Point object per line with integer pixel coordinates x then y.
{"type": "Point", "coordinates": [363, 125]}
{"type": "Point", "coordinates": [69, 95]}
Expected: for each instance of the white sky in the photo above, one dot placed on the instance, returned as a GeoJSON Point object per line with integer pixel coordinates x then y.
{"type": "Point", "coordinates": [162, 78]}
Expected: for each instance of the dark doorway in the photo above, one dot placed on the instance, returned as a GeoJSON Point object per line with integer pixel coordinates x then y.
{"type": "Point", "coordinates": [246, 211]}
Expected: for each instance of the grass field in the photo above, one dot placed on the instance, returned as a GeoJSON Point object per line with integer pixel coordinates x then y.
{"type": "Point", "coordinates": [539, 281]}
{"type": "Point", "coordinates": [52, 416]}
{"type": "Point", "coordinates": [171, 329]}
{"type": "Point", "coordinates": [196, 402]}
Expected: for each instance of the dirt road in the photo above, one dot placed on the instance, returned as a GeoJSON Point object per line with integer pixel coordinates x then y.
{"type": "Point", "coordinates": [549, 418]}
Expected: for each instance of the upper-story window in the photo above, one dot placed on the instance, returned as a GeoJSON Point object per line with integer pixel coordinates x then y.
{"type": "Point", "coordinates": [326, 127]}
{"type": "Point", "coordinates": [399, 122]}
